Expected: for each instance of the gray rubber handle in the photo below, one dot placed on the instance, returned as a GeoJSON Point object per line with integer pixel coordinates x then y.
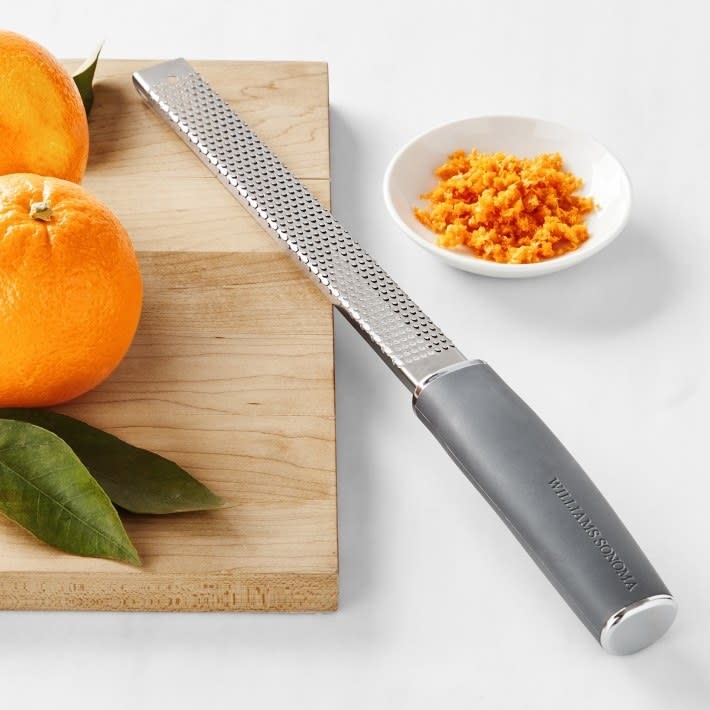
{"type": "Point", "coordinates": [548, 502]}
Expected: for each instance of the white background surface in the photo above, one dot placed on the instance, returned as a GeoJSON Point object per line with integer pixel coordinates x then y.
{"type": "Point", "coordinates": [439, 605]}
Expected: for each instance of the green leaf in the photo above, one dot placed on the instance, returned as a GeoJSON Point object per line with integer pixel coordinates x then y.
{"type": "Point", "coordinates": [47, 490]}
{"type": "Point", "coordinates": [84, 78]}
{"type": "Point", "coordinates": [135, 479]}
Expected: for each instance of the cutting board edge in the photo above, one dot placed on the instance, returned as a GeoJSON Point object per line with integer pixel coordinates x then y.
{"type": "Point", "coordinates": [277, 592]}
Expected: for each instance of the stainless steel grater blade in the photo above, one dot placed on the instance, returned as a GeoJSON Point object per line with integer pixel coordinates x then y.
{"type": "Point", "coordinates": [534, 484]}
{"type": "Point", "coordinates": [394, 325]}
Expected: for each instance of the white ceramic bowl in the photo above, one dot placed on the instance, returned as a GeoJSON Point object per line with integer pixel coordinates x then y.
{"type": "Point", "coordinates": [411, 173]}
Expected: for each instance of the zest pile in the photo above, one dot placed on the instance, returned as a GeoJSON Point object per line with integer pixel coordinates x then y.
{"type": "Point", "coordinates": [507, 209]}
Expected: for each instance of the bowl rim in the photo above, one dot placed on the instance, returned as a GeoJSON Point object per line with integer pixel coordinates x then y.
{"type": "Point", "coordinates": [474, 264]}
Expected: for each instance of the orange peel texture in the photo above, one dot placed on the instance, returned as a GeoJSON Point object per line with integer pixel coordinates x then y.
{"type": "Point", "coordinates": [70, 291]}
{"type": "Point", "coordinates": [43, 126]}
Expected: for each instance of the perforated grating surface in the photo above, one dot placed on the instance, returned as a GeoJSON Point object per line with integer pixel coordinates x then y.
{"type": "Point", "coordinates": [404, 336]}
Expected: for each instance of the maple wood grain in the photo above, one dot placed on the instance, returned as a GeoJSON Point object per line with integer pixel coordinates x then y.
{"type": "Point", "coordinates": [230, 373]}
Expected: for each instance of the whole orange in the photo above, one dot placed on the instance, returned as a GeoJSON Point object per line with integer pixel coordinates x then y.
{"type": "Point", "coordinates": [70, 291]}
{"type": "Point", "coordinates": [42, 119]}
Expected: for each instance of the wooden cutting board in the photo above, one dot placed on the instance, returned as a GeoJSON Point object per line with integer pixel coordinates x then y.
{"type": "Point", "coordinates": [230, 373]}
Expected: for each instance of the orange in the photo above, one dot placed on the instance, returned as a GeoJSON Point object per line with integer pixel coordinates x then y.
{"type": "Point", "coordinates": [43, 127]}
{"type": "Point", "coordinates": [70, 291]}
